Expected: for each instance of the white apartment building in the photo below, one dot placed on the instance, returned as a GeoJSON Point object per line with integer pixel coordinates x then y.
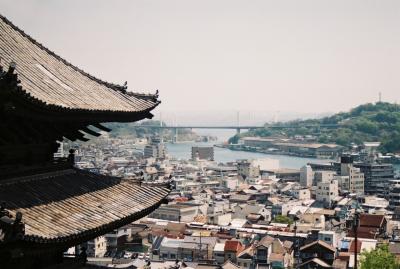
{"type": "Point", "coordinates": [355, 183]}
{"type": "Point", "coordinates": [306, 176]}
{"type": "Point", "coordinates": [327, 191]}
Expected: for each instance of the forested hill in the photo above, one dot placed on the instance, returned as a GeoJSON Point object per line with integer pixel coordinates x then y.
{"type": "Point", "coordinates": [368, 122]}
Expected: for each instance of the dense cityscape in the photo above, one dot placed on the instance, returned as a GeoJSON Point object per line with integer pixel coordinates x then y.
{"type": "Point", "coordinates": [249, 213]}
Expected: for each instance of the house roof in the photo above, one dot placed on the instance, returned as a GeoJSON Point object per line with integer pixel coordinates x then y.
{"type": "Point", "coordinates": [247, 253]}
{"type": "Point", "coordinates": [371, 220]}
{"type": "Point", "coordinates": [73, 206]}
{"type": "Point", "coordinates": [339, 264]}
{"type": "Point", "coordinates": [320, 243]}
{"type": "Point", "coordinates": [266, 241]}
{"type": "Point", "coordinates": [171, 242]}
{"type": "Point", "coordinates": [276, 257]}
{"type": "Point", "coordinates": [176, 227]}
{"type": "Point", "coordinates": [365, 232]}
{"type": "Point", "coordinates": [233, 246]}
{"type": "Point", "coordinates": [219, 247]}
{"type": "Point", "coordinates": [193, 242]}
{"type": "Point", "coordinates": [320, 262]}
{"type": "Point", "coordinates": [229, 265]}
{"type": "Point", "coordinates": [287, 244]}
{"type": "Point", "coordinates": [49, 81]}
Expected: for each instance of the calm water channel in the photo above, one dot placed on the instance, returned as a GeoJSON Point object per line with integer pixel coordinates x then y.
{"type": "Point", "coordinates": [182, 150]}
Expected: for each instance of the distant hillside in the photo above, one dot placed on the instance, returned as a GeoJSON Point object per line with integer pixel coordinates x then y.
{"type": "Point", "coordinates": [138, 130]}
{"type": "Point", "coordinates": [368, 122]}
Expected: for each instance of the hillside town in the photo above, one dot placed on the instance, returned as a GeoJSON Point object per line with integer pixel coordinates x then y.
{"type": "Point", "coordinates": [248, 213]}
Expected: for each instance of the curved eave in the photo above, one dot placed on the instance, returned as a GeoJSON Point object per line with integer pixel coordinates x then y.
{"type": "Point", "coordinates": [44, 110]}
{"type": "Point", "coordinates": [87, 235]}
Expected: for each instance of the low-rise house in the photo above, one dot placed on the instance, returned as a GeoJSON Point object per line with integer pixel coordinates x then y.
{"type": "Point", "coordinates": [170, 248]}
{"type": "Point", "coordinates": [314, 263]}
{"type": "Point", "coordinates": [302, 194]}
{"type": "Point", "coordinates": [245, 258]}
{"type": "Point", "coordinates": [232, 249]}
{"type": "Point", "coordinates": [328, 237]}
{"type": "Point", "coordinates": [229, 265]}
{"type": "Point", "coordinates": [222, 219]}
{"type": "Point", "coordinates": [115, 237]}
{"type": "Point", "coordinates": [318, 252]}
{"type": "Point", "coordinates": [243, 211]}
{"type": "Point", "coordinates": [282, 254]}
{"type": "Point", "coordinates": [311, 221]}
{"type": "Point", "coordinates": [218, 253]}
{"type": "Point", "coordinates": [231, 183]}
{"type": "Point", "coordinates": [196, 248]}
{"type": "Point", "coordinates": [241, 198]}
{"type": "Point", "coordinates": [347, 247]}
{"type": "Point", "coordinates": [371, 226]}
{"type": "Point", "coordinates": [263, 250]}
{"type": "Point", "coordinates": [282, 206]}
{"type": "Point", "coordinates": [176, 212]}
{"type": "Point", "coordinates": [238, 223]}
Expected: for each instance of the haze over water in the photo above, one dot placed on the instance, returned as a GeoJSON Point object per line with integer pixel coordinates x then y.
{"type": "Point", "coordinates": [182, 150]}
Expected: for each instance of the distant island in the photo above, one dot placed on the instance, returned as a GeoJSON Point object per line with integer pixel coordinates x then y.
{"type": "Point", "coordinates": [369, 122]}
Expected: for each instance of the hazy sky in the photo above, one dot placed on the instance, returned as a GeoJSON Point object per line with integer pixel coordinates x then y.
{"type": "Point", "coordinates": [225, 55]}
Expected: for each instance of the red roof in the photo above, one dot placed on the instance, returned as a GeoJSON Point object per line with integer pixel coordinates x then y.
{"type": "Point", "coordinates": [369, 220]}
{"type": "Point", "coordinates": [233, 246]}
{"type": "Point", "coordinates": [365, 232]}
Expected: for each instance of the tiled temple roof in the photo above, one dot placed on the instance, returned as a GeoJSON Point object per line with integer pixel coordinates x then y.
{"type": "Point", "coordinates": [71, 206]}
{"type": "Point", "coordinates": [49, 80]}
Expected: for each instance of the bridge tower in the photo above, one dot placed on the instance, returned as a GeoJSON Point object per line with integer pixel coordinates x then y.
{"type": "Point", "coordinates": [237, 123]}
{"type": "Point", "coordinates": [175, 138]}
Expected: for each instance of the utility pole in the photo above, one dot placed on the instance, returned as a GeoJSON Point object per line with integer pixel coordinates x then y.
{"type": "Point", "coordinates": [296, 243]}
{"type": "Point", "coordinates": [355, 229]}
{"type": "Point", "coordinates": [200, 248]}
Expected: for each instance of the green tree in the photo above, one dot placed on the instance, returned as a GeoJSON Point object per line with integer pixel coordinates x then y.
{"type": "Point", "coordinates": [379, 258]}
{"type": "Point", "coordinates": [282, 219]}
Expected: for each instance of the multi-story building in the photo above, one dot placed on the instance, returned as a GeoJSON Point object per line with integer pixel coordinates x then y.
{"type": "Point", "coordinates": [394, 194]}
{"type": "Point", "coordinates": [323, 176]}
{"type": "Point", "coordinates": [155, 149]}
{"type": "Point", "coordinates": [327, 191]}
{"type": "Point", "coordinates": [306, 176]}
{"type": "Point", "coordinates": [355, 181]}
{"type": "Point", "coordinates": [376, 177]}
